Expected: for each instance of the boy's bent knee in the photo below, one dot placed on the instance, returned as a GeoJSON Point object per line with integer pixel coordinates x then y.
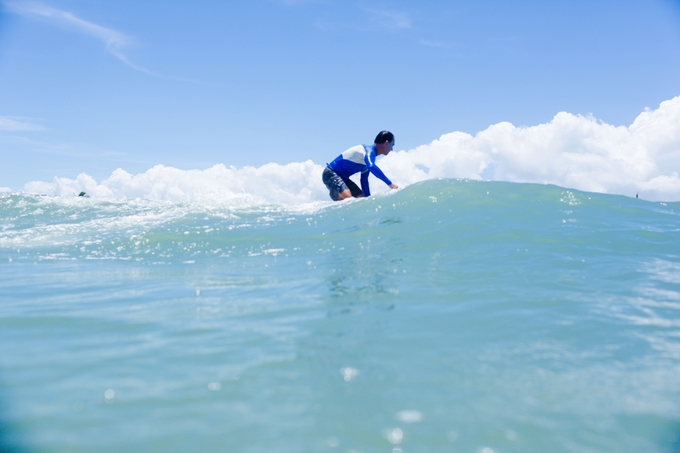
{"type": "Point", "coordinates": [345, 194]}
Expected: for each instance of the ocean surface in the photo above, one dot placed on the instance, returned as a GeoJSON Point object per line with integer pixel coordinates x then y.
{"type": "Point", "coordinates": [449, 316]}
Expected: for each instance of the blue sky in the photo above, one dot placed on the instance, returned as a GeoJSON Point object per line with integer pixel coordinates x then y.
{"type": "Point", "coordinates": [91, 86]}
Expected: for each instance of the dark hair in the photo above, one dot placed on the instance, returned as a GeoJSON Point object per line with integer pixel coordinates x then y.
{"type": "Point", "coordinates": [384, 136]}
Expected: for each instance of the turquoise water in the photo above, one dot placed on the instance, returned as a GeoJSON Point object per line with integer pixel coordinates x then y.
{"type": "Point", "coordinates": [450, 316]}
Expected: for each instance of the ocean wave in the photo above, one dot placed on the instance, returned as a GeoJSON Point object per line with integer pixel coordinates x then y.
{"type": "Point", "coordinates": [571, 151]}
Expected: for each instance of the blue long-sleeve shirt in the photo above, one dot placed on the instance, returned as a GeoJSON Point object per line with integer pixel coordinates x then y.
{"type": "Point", "coordinates": [360, 158]}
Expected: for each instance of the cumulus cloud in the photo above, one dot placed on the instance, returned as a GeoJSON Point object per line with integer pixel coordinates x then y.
{"type": "Point", "coordinates": [113, 40]}
{"type": "Point", "coordinates": [571, 151]}
{"type": "Point", "coordinates": [293, 183]}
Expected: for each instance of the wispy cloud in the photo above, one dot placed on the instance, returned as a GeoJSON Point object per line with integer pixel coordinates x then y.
{"type": "Point", "coordinates": [77, 150]}
{"type": "Point", "coordinates": [439, 44]}
{"type": "Point", "coordinates": [114, 40]}
{"type": "Point", "coordinates": [296, 2]}
{"type": "Point", "coordinates": [391, 18]}
{"type": "Point", "coordinates": [14, 125]}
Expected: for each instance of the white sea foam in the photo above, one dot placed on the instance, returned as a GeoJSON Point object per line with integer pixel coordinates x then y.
{"type": "Point", "coordinates": [571, 151]}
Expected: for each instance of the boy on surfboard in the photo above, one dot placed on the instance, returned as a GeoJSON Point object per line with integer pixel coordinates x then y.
{"type": "Point", "coordinates": [360, 158]}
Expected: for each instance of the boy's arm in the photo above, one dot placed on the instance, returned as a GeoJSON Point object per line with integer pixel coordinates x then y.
{"type": "Point", "coordinates": [364, 184]}
{"type": "Point", "coordinates": [380, 175]}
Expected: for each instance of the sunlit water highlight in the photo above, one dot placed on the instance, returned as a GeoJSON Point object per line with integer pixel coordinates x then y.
{"type": "Point", "coordinates": [452, 315]}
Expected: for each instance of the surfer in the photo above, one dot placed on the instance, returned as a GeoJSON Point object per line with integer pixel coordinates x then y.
{"type": "Point", "coordinates": [360, 158]}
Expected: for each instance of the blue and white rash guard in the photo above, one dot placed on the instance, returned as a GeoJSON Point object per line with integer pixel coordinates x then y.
{"type": "Point", "coordinates": [360, 158]}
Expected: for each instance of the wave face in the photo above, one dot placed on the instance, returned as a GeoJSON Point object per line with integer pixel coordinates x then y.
{"type": "Point", "coordinates": [451, 315]}
{"type": "Point", "coordinates": [570, 151]}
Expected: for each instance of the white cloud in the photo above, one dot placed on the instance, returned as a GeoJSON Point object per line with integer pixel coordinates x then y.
{"type": "Point", "coordinates": [293, 183]}
{"type": "Point", "coordinates": [12, 125]}
{"type": "Point", "coordinates": [113, 40]}
{"type": "Point", "coordinates": [571, 151]}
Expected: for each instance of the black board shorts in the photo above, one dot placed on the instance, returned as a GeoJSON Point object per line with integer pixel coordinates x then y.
{"type": "Point", "coordinates": [337, 184]}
